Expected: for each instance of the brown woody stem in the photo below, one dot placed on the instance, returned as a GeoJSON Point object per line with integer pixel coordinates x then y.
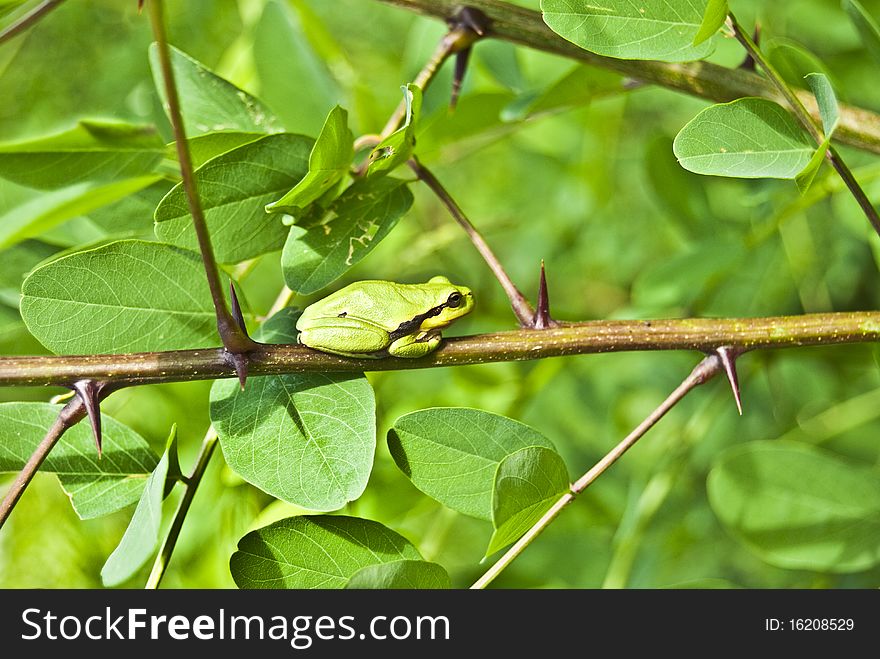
{"type": "Point", "coordinates": [701, 334]}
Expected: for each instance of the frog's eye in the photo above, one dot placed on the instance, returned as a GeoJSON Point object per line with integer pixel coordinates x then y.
{"type": "Point", "coordinates": [453, 300]}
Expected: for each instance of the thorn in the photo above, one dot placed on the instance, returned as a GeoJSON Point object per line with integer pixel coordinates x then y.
{"type": "Point", "coordinates": [542, 319]}
{"type": "Point", "coordinates": [728, 357]}
{"type": "Point", "coordinates": [461, 62]}
{"type": "Point", "coordinates": [236, 309]}
{"type": "Point", "coordinates": [89, 392]}
{"type": "Point", "coordinates": [238, 361]}
{"type": "Point", "coordinates": [748, 64]}
{"type": "Point", "coordinates": [140, 6]}
{"type": "Point", "coordinates": [471, 19]}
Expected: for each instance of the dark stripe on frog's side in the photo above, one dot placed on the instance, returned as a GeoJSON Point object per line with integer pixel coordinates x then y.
{"type": "Point", "coordinates": [408, 327]}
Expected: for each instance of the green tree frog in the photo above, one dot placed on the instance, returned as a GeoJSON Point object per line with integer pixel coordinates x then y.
{"type": "Point", "coordinates": [376, 318]}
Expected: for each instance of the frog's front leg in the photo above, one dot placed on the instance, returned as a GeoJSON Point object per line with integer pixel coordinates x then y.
{"type": "Point", "coordinates": [415, 345]}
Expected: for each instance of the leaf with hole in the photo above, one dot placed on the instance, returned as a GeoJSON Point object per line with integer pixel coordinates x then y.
{"type": "Point", "coordinates": [321, 551]}
{"type": "Point", "coordinates": [208, 103]}
{"type": "Point", "coordinates": [452, 453]}
{"type": "Point", "coordinates": [397, 148]}
{"type": "Point", "coordinates": [329, 162]}
{"type": "Point", "coordinates": [797, 506]}
{"type": "Point", "coordinates": [649, 29]}
{"type": "Point", "coordinates": [234, 188]}
{"type": "Point", "coordinates": [746, 138]}
{"type": "Point", "coordinates": [126, 296]}
{"type": "Point", "coordinates": [400, 575]}
{"type": "Point", "coordinates": [527, 483]}
{"type": "Point", "coordinates": [306, 438]}
{"type": "Point", "coordinates": [142, 534]}
{"type": "Point", "coordinates": [319, 252]}
{"type": "Point", "coordinates": [91, 151]}
{"type": "Point", "coordinates": [95, 486]}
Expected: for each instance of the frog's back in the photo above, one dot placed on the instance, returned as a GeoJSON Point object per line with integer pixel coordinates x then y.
{"type": "Point", "coordinates": [368, 300]}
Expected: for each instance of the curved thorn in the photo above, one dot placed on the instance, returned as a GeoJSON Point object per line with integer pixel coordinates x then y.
{"type": "Point", "coordinates": [728, 356]}
{"type": "Point", "coordinates": [89, 392]}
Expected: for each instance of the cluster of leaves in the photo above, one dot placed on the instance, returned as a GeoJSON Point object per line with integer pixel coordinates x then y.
{"type": "Point", "coordinates": [309, 440]}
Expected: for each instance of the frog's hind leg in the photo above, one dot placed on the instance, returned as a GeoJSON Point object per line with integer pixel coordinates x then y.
{"type": "Point", "coordinates": [347, 337]}
{"type": "Point", "coordinates": [415, 345]}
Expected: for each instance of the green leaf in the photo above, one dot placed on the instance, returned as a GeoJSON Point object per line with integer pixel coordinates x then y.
{"type": "Point", "coordinates": [317, 254]}
{"type": "Point", "coordinates": [96, 486]}
{"type": "Point", "coordinates": [287, 66]}
{"type": "Point", "coordinates": [826, 100]}
{"type": "Point", "coordinates": [650, 29]}
{"type": "Point", "coordinates": [234, 188]}
{"type": "Point", "coordinates": [210, 145]}
{"type": "Point", "coordinates": [792, 60]}
{"type": "Point", "coordinates": [746, 138]}
{"type": "Point", "coordinates": [126, 296]}
{"type": "Point", "coordinates": [452, 453]}
{"type": "Point", "coordinates": [397, 148]}
{"type": "Point", "coordinates": [53, 208]}
{"type": "Point", "coordinates": [315, 552]}
{"type": "Point", "coordinates": [306, 438]}
{"type": "Point", "coordinates": [713, 18]}
{"type": "Point", "coordinates": [527, 483]}
{"type": "Point", "coordinates": [830, 114]}
{"type": "Point", "coordinates": [400, 575]}
{"type": "Point", "coordinates": [329, 162]}
{"type": "Point", "coordinates": [866, 25]}
{"type": "Point", "coordinates": [91, 151]}
{"type": "Point", "coordinates": [209, 103]}
{"type": "Point", "coordinates": [798, 507]}
{"type": "Point", "coordinates": [142, 534]}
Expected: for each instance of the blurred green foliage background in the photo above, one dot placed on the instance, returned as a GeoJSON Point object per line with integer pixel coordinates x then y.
{"type": "Point", "coordinates": [593, 189]}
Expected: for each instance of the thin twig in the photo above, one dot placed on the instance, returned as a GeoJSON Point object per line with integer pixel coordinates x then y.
{"type": "Point", "coordinates": [521, 307]}
{"type": "Point", "coordinates": [192, 484]}
{"type": "Point", "coordinates": [28, 20]}
{"type": "Point", "coordinates": [807, 121]}
{"type": "Point", "coordinates": [234, 339]}
{"type": "Point", "coordinates": [702, 373]}
{"type": "Point", "coordinates": [69, 415]}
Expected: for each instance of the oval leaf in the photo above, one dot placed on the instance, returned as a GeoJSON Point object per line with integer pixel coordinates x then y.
{"type": "Point", "coordinates": [317, 254]}
{"type": "Point", "coordinates": [713, 18]}
{"type": "Point", "coordinates": [92, 151]}
{"type": "Point", "coordinates": [234, 188]}
{"type": "Point", "coordinates": [798, 507]}
{"type": "Point", "coordinates": [747, 138]}
{"type": "Point", "coordinates": [127, 296]}
{"type": "Point", "coordinates": [315, 552]}
{"type": "Point", "coordinates": [451, 453]}
{"type": "Point", "coordinates": [306, 438]}
{"type": "Point", "coordinates": [396, 149]}
{"type": "Point", "coordinates": [649, 29]}
{"type": "Point", "coordinates": [95, 486]}
{"type": "Point", "coordinates": [142, 534]}
{"type": "Point", "coordinates": [527, 484]}
{"type": "Point", "coordinates": [209, 103]}
{"type": "Point", "coordinates": [400, 575]}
